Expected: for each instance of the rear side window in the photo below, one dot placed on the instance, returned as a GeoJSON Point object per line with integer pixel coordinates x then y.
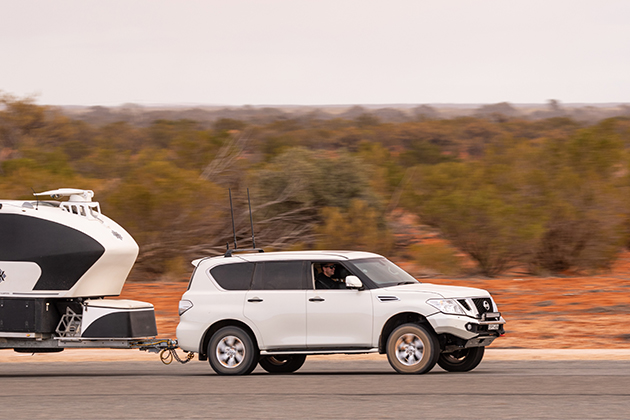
{"type": "Point", "coordinates": [233, 276]}
{"type": "Point", "coordinates": [279, 275]}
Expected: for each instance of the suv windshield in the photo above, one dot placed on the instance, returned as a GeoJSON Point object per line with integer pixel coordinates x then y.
{"type": "Point", "coordinates": [383, 272]}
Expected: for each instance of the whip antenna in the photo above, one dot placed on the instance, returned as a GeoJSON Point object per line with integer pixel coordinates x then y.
{"type": "Point", "coordinates": [251, 220]}
{"type": "Point", "coordinates": [229, 252]}
{"type": "Point", "coordinates": [232, 211]}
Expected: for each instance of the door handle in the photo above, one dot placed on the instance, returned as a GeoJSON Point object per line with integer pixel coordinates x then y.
{"type": "Point", "coordinates": [255, 299]}
{"type": "Point", "coordinates": [316, 299]}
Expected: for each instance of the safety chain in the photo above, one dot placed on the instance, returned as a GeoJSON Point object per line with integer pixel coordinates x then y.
{"type": "Point", "coordinates": [167, 356]}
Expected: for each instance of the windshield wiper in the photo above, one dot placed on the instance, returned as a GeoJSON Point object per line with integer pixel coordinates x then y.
{"type": "Point", "coordinates": [407, 282]}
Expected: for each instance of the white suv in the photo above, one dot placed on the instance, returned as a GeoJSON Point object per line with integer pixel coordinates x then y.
{"type": "Point", "coordinates": [253, 308]}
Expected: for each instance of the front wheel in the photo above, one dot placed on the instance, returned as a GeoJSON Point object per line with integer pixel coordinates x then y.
{"type": "Point", "coordinates": [412, 348]}
{"type": "Point", "coordinates": [231, 351]}
{"type": "Point", "coordinates": [462, 360]}
{"type": "Point", "coordinates": [288, 363]}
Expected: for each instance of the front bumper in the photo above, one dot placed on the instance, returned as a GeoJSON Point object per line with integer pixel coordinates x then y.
{"type": "Point", "coordinates": [467, 328]}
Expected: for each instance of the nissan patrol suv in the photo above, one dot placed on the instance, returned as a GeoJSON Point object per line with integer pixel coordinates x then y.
{"type": "Point", "coordinates": [272, 309]}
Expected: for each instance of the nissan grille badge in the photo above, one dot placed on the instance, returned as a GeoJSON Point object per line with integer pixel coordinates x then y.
{"type": "Point", "coordinates": [486, 305]}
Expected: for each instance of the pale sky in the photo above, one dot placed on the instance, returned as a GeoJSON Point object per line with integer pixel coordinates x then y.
{"type": "Point", "coordinates": [317, 52]}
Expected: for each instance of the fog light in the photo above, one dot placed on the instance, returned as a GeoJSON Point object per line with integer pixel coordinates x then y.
{"type": "Point", "coordinates": [469, 327]}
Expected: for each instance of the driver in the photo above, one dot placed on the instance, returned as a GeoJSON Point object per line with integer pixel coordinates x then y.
{"type": "Point", "coordinates": [325, 280]}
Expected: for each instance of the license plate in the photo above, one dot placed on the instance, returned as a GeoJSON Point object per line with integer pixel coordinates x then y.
{"type": "Point", "coordinates": [493, 326]}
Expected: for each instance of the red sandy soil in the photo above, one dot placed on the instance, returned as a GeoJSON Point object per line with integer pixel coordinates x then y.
{"type": "Point", "coordinates": [586, 312]}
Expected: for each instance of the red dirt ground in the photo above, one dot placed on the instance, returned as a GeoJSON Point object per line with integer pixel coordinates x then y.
{"type": "Point", "coordinates": [541, 312]}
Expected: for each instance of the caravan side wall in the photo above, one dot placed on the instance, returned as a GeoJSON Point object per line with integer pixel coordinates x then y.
{"type": "Point", "coordinates": [47, 252]}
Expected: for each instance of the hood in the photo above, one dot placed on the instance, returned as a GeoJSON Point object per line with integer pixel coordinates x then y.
{"type": "Point", "coordinates": [441, 290]}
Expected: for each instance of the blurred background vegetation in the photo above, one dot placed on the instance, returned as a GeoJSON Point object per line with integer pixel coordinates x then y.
{"type": "Point", "coordinates": [545, 192]}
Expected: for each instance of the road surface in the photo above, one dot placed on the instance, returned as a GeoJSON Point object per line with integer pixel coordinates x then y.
{"type": "Point", "coordinates": [347, 387]}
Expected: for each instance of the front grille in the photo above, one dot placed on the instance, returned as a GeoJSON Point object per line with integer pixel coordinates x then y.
{"type": "Point", "coordinates": [464, 304]}
{"type": "Point", "coordinates": [483, 305]}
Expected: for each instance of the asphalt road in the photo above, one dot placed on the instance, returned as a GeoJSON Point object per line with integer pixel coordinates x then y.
{"type": "Point", "coordinates": [347, 388]}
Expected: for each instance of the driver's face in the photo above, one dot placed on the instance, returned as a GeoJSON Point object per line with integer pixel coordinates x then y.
{"type": "Point", "coordinates": [328, 269]}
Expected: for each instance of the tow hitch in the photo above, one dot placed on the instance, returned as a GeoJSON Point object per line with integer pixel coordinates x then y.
{"type": "Point", "coordinates": [165, 348]}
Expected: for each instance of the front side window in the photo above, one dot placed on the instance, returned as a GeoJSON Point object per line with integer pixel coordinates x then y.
{"type": "Point", "coordinates": [279, 275]}
{"type": "Point", "coordinates": [233, 276]}
{"type": "Point", "coordinates": [329, 275]}
{"type": "Point", "coordinates": [383, 272]}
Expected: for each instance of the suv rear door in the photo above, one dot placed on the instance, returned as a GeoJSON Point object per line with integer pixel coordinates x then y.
{"type": "Point", "coordinates": [276, 304]}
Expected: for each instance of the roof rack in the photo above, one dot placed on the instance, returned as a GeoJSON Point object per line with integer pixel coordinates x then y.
{"type": "Point", "coordinates": [233, 251]}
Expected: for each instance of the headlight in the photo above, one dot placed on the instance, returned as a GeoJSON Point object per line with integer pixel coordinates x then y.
{"type": "Point", "coordinates": [447, 306]}
{"type": "Point", "coordinates": [184, 305]}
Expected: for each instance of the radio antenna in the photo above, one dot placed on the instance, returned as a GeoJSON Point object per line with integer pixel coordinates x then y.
{"type": "Point", "coordinates": [232, 212]}
{"type": "Point", "coordinates": [229, 252]}
{"type": "Point", "coordinates": [251, 220]}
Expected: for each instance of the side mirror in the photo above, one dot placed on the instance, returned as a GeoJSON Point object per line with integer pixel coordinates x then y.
{"type": "Point", "coordinates": [353, 282]}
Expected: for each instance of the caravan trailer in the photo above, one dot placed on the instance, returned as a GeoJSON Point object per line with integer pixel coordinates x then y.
{"type": "Point", "coordinates": [59, 260]}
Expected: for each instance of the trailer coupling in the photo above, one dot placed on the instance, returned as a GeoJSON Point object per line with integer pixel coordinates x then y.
{"type": "Point", "coordinates": [165, 348]}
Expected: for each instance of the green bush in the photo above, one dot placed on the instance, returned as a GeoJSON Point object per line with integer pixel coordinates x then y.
{"type": "Point", "coordinates": [437, 257]}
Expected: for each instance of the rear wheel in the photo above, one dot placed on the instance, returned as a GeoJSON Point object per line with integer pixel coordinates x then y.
{"type": "Point", "coordinates": [412, 348]}
{"type": "Point", "coordinates": [231, 351]}
{"type": "Point", "coordinates": [287, 363]}
{"type": "Point", "coordinates": [461, 360]}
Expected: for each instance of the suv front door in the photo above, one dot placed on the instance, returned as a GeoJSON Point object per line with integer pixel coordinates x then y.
{"type": "Point", "coordinates": [339, 318]}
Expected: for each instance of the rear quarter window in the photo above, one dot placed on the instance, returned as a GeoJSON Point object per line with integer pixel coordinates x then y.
{"type": "Point", "coordinates": [236, 276]}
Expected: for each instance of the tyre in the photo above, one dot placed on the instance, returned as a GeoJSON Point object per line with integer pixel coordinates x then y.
{"type": "Point", "coordinates": [461, 360]}
{"type": "Point", "coordinates": [282, 364]}
{"type": "Point", "coordinates": [231, 351]}
{"type": "Point", "coordinates": [412, 348]}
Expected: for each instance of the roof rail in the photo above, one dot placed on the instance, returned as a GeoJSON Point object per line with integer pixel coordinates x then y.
{"type": "Point", "coordinates": [232, 251]}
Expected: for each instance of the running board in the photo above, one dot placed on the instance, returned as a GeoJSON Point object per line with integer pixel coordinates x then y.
{"type": "Point", "coordinates": [314, 352]}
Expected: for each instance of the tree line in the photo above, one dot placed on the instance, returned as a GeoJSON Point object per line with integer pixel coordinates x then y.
{"type": "Point", "coordinates": [548, 195]}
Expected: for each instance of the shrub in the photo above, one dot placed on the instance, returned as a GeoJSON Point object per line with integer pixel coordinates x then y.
{"type": "Point", "coordinates": [437, 257]}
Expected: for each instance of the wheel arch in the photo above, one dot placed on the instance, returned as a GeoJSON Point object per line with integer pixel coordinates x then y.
{"type": "Point", "coordinates": [203, 345]}
{"type": "Point", "coordinates": [397, 320]}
